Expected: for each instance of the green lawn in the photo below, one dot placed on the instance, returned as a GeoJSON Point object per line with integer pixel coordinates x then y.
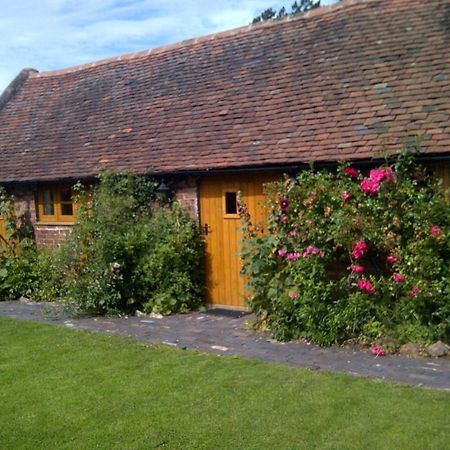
{"type": "Point", "coordinates": [64, 389]}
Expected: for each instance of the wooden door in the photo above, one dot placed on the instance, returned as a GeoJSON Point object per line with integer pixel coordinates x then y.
{"type": "Point", "coordinates": [2, 231]}
{"type": "Point", "coordinates": [220, 224]}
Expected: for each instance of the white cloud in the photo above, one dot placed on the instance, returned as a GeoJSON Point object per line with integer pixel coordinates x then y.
{"type": "Point", "coordinates": [52, 34]}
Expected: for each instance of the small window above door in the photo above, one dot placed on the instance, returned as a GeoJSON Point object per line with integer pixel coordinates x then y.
{"type": "Point", "coordinates": [230, 204]}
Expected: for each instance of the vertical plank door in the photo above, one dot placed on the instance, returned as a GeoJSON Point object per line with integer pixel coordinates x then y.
{"type": "Point", "coordinates": [2, 231]}
{"type": "Point", "coordinates": [220, 224]}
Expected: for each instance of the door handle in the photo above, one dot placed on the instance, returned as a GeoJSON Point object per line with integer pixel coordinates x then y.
{"type": "Point", "coordinates": [206, 229]}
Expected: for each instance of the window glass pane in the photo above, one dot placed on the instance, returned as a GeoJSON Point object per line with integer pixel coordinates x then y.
{"type": "Point", "coordinates": [47, 200]}
{"type": "Point", "coordinates": [47, 196]}
{"type": "Point", "coordinates": [230, 203]}
{"type": "Point", "coordinates": [66, 195]}
{"type": "Point", "coordinates": [66, 209]}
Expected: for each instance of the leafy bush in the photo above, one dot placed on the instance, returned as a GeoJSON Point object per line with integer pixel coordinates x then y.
{"type": "Point", "coordinates": [17, 252]}
{"type": "Point", "coordinates": [47, 280]}
{"type": "Point", "coordinates": [349, 256]}
{"type": "Point", "coordinates": [127, 253]}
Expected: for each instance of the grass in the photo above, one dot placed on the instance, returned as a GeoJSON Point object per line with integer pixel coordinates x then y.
{"type": "Point", "coordinates": [66, 389]}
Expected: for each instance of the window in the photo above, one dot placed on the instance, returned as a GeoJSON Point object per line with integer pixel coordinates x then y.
{"type": "Point", "coordinates": [65, 200]}
{"type": "Point", "coordinates": [55, 205]}
{"type": "Point", "coordinates": [230, 205]}
{"type": "Point", "coordinates": [48, 203]}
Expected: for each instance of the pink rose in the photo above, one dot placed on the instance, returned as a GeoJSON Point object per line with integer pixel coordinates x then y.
{"type": "Point", "coordinates": [293, 256]}
{"type": "Point", "coordinates": [372, 184]}
{"type": "Point", "coordinates": [376, 175]}
{"type": "Point", "coordinates": [282, 252]}
{"type": "Point", "coordinates": [398, 277]}
{"type": "Point", "coordinates": [366, 286]}
{"type": "Point", "coordinates": [293, 295]}
{"type": "Point", "coordinates": [384, 174]}
{"type": "Point", "coordinates": [435, 231]}
{"type": "Point", "coordinates": [346, 196]}
{"type": "Point", "coordinates": [378, 351]}
{"type": "Point", "coordinates": [359, 249]}
{"type": "Point", "coordinates": [351, 172]}
{"type": "Point", "coordinates": [392, 259]}
{"type": "Point", "coordinates": [369, 186]}
{"type": "Point", "coordinates": [311, 250]}
{"type": "Point", "coordinates": [414, 292]}
{"type": "Point", "coordinates": [358, 269]}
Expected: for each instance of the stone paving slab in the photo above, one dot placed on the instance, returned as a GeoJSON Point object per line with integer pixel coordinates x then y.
{"type": "Point", "coordinates": [226, 334]}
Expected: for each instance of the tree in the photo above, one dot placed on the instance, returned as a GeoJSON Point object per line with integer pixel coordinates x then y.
{"type": "Point", "coordinates": [296, 8]}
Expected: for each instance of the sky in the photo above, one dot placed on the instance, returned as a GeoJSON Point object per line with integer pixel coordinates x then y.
{"type": "Point", "coordinates": [53, 34]}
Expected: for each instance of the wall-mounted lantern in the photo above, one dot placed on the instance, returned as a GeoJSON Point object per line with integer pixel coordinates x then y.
{"type": "Point", "coordinates": [163, 193]}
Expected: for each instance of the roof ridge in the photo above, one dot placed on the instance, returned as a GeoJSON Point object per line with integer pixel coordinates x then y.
{"type": "Point", "coordinates": [15, 85]}
{"type": "Point", "coordinates": [316, 12]}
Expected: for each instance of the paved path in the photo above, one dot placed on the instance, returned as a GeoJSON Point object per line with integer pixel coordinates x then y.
{"type": "Point", "coordinates": [225, 333]}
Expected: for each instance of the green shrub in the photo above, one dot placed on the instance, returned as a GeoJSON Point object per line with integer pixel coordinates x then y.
{"type": "Point", "coordinates": [169, 276]}
{"type": "Point", "coordinates": [47, 280]}
{"type": "Point", "coordinates": [17, 252]}
{"type": "Point", "coordinates": [127, 253]}
{"type": "Point", "coordinates": [124, 253]}
{"type": "Point", "coordinates": [348, 256]}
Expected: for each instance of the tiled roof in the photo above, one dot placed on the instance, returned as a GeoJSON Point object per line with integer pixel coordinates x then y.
{"type": "Point", "coordinates": [336, 83]}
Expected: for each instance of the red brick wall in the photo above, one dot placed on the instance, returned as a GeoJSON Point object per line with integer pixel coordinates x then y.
{"type": "Point", "coordinates": [25, 203]}
{"type": "Point", "coordinates": [187, 196]}
{"type": "Point", "coordinates": [51, 234]}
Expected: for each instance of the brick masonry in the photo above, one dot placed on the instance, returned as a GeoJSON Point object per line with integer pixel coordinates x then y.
{"type": "Point", "coordinates": [51, 234]}
{"type": "Point", "coordinates": [25, 203]}
{"type": "Point", "coordinates": [187, 194]}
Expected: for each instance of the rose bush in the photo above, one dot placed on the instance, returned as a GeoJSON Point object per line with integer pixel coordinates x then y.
{"type": "Point", "coordinates": [349, 256]}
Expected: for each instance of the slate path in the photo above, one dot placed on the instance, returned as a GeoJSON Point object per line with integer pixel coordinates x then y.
{"type": "Point", "coordinates": [223, 332]}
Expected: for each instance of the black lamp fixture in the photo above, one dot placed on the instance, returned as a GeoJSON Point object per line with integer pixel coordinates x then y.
{"type": "Point", "coordinates": [163, 192]}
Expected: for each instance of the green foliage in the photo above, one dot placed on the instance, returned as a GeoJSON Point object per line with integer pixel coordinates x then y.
{"type": "Point", "coordinates": [124, 253]}
{"type": "Point", "coordinates": [127, 253]}
{"type": "Point", "coordinates": [169, 276]}
{"type": "Point", "coordinates": [17, 252]}
{"type": "Point", "coordinates": [296, 8]}
{"type": "Point", "coordinates": [47, 277]}
{"type": "Point", "coordinates": [348, 257]}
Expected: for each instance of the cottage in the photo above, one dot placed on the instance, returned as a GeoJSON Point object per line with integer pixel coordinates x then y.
{"type": "Point", "coordinates": [227, 112]}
